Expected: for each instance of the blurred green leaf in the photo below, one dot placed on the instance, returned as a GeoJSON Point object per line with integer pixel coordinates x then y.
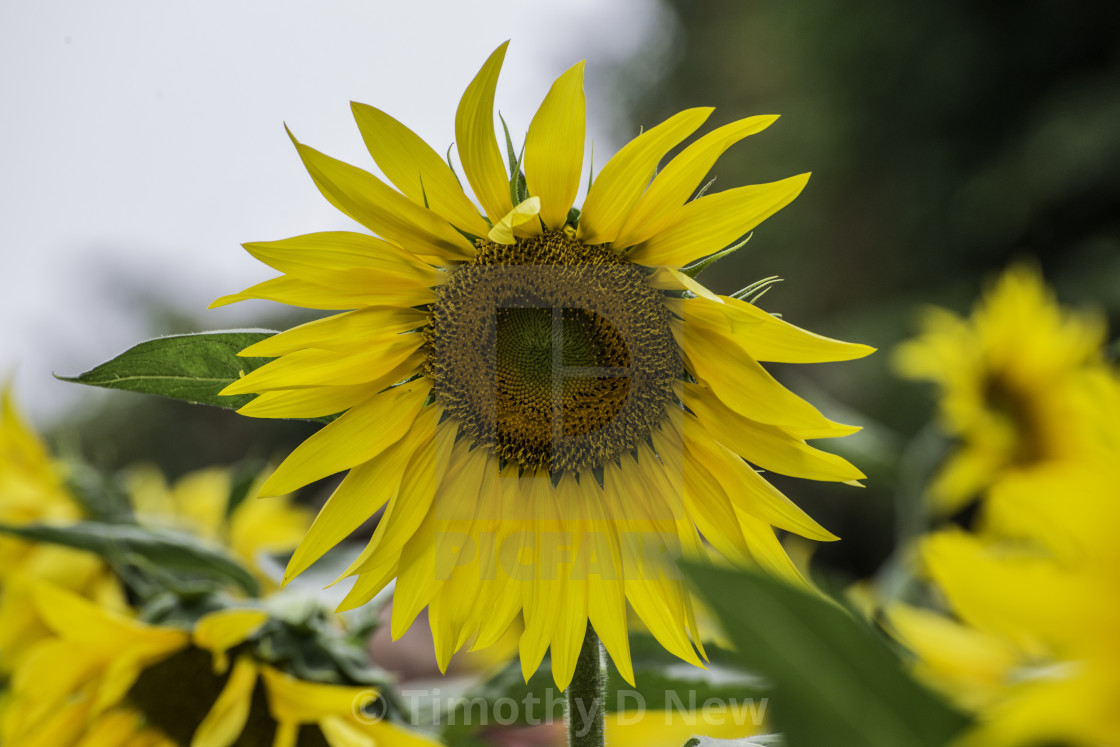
{"type": "Point", "coordinates": [192, 368]}
{"type": "Point", "coordinates": [124, 545]}
{"type": "Point", "coordinates": [834, 681]}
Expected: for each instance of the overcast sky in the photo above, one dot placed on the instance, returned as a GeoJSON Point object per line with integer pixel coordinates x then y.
{"type": "Point", "coordinates": [143, 142]}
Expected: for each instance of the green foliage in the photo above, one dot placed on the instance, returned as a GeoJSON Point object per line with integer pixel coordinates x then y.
{"type": "Point", "coordinates": [833, 680]}
{"type": "Point", "coordinates": [696, 268]}
{"type": "Point", "coordinates": [170, 559]}
{"type": "Point", "coordinates": [191, 368]}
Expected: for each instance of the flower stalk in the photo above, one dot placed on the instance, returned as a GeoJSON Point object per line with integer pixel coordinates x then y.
{"type": "Point", "coordinates": [587, 695]}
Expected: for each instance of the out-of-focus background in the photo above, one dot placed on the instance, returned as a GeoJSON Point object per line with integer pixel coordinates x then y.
{"type": "Point", "coordinates": [143, 142]}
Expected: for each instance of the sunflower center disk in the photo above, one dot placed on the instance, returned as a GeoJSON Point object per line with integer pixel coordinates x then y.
{"type": "Point", "coordinates": [554, 353]}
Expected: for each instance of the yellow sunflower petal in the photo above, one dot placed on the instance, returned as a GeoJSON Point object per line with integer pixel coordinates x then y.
{"type": "Point", "coordinates": [407, 509]}
{"type": "Point", "coordinates": [365, 198]}
{"type": "Point", "coordinates": [344, 260]}
{"type": "Point", "coordinates": [313, 402]}
{"type": "Point", "coordinates": [618, 186]}
{"type": "Point", "coordinates": [706, 225]}
{"type": "Point", "coordinates": [765, 337]}
{"type": "Point", "coordinates": [339, 331]}
{"type": "Point", "coordinates": [675, 183]}
{"type": "Point", "coordinates": [602, 566]}
{"type": "Point", "coordinates": [765, 548]}
{"type": "Point", "coordinates": [417, 581]}
{"type": "Point", "coordinates": [358, 436]}
{"type": "Point", "coordinates": [474, 135]}
{"type": "Point", "coordinates": [375, 367]}
{"type": "Point", "coordinates": [415, 169]}
{"type": "Point", "coordinates": [540, 587]}
{"type": "Point", "coordinates": [296, 292]}
{"type": "Point", "coordinates": [526, 210]}
{"type": "Point", "coordinates": [750, 492]}
{"type": "Point", "coordinates": [554, 147]}
{"type": "Point", "coordinates": [226, 719]}
{"type": "Point", "coordinates": [745, 386]}
{"type": "Point", "coordinates": [768, 446]}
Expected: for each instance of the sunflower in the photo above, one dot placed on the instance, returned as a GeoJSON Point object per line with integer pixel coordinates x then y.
{"type": "Point", "coordinates": [200, 503]}
{"type": "Point", "coordinates": [32, 490]}
{"type": "Point", "coordinates": [1027, 636]}
{"type": "Point", "coordinates": [547, 405]}
{"type": "Point", "coordinates": [105, 678]}
{"type": "Point", "coordinates": [1007, 378]}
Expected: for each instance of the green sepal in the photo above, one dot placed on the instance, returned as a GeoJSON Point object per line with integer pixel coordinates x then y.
{"type": "Point", "coordinates": [161, 557]}
{"type": "Point", "coordinates": [696, 268]}
{"type": "Point", "coordinates": [518, 188]}
{"type": "Point", "coordinates": [834, 680]}
{"type": "Point", "coordinates": [756, 290]}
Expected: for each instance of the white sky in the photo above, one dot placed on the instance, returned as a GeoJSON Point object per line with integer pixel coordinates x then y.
{"type": "Point", "coordinates": [141, 142]}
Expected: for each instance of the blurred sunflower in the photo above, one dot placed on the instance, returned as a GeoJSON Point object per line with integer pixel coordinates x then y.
{"type": "Point", "coordinates": [547, 407]}
{"type": "Point", "coordinates": [1007, 379]}
{"type": "Point", "coordinates": [32, 490]}
{"type": "Point", "coordinates": [1028, 640]}
{"type": "Point", "coordinates": [206, 504]}
{"type": "Point", "coordinates": [105, 678]}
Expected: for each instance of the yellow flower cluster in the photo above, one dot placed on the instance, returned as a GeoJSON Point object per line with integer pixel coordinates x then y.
{"type": "Point", "coordinates": [1030, 645]}
{"type": "Point", "coordinates": [81, 668]}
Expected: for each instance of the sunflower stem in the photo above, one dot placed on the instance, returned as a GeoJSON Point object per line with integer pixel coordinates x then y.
{"type": "Point", "coordinates": [587, 695]}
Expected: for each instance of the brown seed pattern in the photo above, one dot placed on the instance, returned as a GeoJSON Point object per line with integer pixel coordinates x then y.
{"type": "Point", "coordinates": [554, 353]}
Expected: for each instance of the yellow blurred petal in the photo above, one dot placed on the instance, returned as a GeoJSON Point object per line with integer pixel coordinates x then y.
{"type": "Point", "coordinates": [674, 727]}
{"type": "Point", "coordinates": [526, 210]}
{"type": "Point", "coordinates": [340, 733]}
{"type": "Point", "coordinates": [227, 717]}
{"type": "Point", "coordinates": [220, 631]}
{"type": "Point", "coordinates": [381, 209]}
{"type": "Point", "coordinates": [415, 169]}
{"type": "Point", "coordinates": [474, 135]}
{"type": "Point", "coordinates": [966, 664]}
{"type": "Point", "coordinates": [77, 619]}
{"type": "Point", "coordinates": [624, 178]}
{"type": "Point", "coordinates": [292, 700]}
{"type": "Point", "coordinates": [554, 147]}
{"type": "Point", "coordinates": [357, 436]}
{"type": "Point", "coordinates": [676, 183]}
{"type": "Point", "coordinates": [706, 225]}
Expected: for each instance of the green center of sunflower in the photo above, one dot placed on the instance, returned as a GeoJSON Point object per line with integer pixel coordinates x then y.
{"type": "Point", "coordinates": [554, 353]}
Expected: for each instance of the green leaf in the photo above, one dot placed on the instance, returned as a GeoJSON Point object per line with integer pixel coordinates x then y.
{"type": "Point", "coordinates": [833, 680]}
{"type": "Point", "coordinates": [130, 546]}
{"type": "Point", "coordinates": [192, 368]}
